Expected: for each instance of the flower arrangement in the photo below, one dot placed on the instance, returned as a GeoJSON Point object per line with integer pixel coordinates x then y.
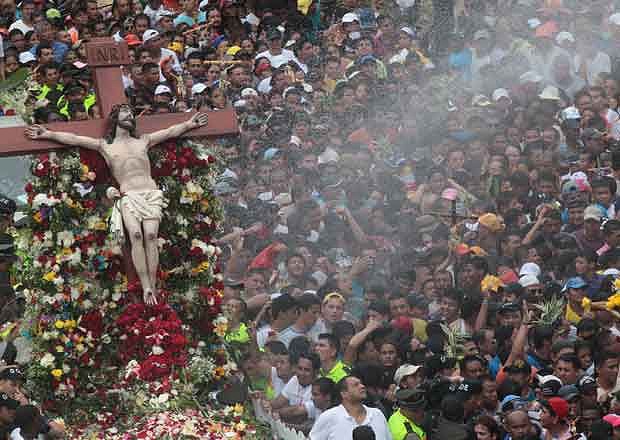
{"type": "Point", "coordinates": [109, 364]}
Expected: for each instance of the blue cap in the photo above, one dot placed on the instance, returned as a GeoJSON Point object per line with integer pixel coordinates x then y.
{"type": "Point", "coordinates": [184, 19]}
{"type": "Point", "coordinates": [575, 283]}
{"type": "Point", "coordinates": [270, 153]}
{"type": "Point", "coordinates": [511, 402]}
{"type": "Point", "coordinates": [367, 59]}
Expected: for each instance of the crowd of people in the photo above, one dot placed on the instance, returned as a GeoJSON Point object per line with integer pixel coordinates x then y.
{"type": "Point", "coordinates": [422, 213]}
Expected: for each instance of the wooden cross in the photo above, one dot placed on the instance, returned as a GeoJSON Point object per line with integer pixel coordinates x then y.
{"type": "Point", "coordinates": [106, 56]}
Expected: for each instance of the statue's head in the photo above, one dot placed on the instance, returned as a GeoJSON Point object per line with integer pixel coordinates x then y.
{"type": "Point", "coordinates": [121, 116]}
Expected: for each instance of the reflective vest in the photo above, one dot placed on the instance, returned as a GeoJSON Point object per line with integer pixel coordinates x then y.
{"type": "Point", "coordinates": [404, 429]}
{"type": "Point", "coordinates": [63, 104]}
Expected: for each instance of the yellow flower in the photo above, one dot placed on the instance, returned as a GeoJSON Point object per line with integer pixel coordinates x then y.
{"type": "Point", "coordinates": [238, 410]}
{"type": "Point", "coordinates": [60, 348]}
{"type": "Point", "coordinates": [201, 268]}
{"type": "Point", "coordinates": [69, 324]}
{"type": "Point", "coordinates": [586, 304]}
{"type": "Point", "coordinates": [50, 276]}
{"type": "Point", "coordinates": [219, 372]}
{"type": "Point", "coordinates": [613, 302]}
{"type": "Point", "coordinates": [491, 283]}
{"type": "Point", "coordinates": [100, 226]}
{"type": "Point", "coordinates": [57, 373]}
{"type": "Point", "coordinates": [617, 284]}
{"type": "Point", "coordinates": [60, 324]}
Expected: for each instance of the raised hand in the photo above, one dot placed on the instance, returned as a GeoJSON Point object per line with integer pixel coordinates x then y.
{"type": "Point", "coordinates": [36, 132]}
{"type": "Point", "coordinates": [199, 120]}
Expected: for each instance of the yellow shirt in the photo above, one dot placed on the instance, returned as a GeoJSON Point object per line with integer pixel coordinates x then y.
{"type": "Point", "coordinates": [338, 371]}
{"type": "Point", "coordinates": [571, 315]}
{"type": "Point", "coordinates": [400, 426]}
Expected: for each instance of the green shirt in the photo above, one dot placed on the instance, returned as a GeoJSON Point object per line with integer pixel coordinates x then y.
{"type": "Point", "coordinates": [240, 335]}
{"type": "Point", "coordinates": [400, 426]}
{"type": "Point", "coordinates": [338, 371]}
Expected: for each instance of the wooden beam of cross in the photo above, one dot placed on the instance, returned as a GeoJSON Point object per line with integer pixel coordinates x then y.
{"type": "Point", "coordinates": [106, 56]}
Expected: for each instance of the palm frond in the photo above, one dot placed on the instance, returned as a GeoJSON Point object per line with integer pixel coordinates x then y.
{"type": "Point", "coordinates": [549, 312]}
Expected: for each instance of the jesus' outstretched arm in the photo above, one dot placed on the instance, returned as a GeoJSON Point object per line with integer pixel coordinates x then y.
{"type": "Point", "coordinates": [40, 132]}
{"type": "Point", "coordinates": [198, 120]}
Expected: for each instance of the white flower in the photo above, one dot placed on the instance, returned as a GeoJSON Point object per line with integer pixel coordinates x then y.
{"type": "Point", "coordinates": [48, 360]}
{"type": "Point", "coordinates": [163, 398]}
{"type": "Point", "coordinates": [65, 239]}
{"type": "Point", "coordinates": [181, 221]}
{"type": "Point", "coordinates": [193, 188]}
{"type": "Point", "coordinates": [210, 250]}
{"type": "Point", "coordinates": [157, 350]}
{"type": "Point", "coordinates": [87, 304]}
{"type": "Point", "coordinates": [66, 369]}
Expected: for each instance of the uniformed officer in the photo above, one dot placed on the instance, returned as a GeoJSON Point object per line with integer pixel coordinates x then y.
{"type": "Point", "coordinates": [405, 423]}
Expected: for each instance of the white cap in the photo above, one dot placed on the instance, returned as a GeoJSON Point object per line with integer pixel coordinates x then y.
{"type": "Point", "coordinates": [564, 36]}
{"type": "Point", "coordinates": [550, 93]}
{"type": "Point", "coordinates": [528, 280]}
{"type": "Point", "coordinates": [163, 13]}
{"type": "Point", "coordinates": [404, 371]}
{"type": "Point", "coordinates": [500, 93]}
{"type": "Point", "coordinates": [203, 4]}
{"type": "Point", "coordinates": [408, 31]}
{"type": "Point", "coordinates": [198, 88]}
{"type": "Point", "coordinates": [530, 269]}
{"type": "Point", "coordinates": [162, 89]}
{"type": "Point", "coordinates": [350, 17]}
{"type": "Point", "coordinates": [480, 101]}
{"type": "Point", "coordinates": [149, 34]}
{"type": "Point", "coordinates": [328, 156]}
{"type": "Point", "coordinates": [251, 19]}
{"type": "Point", "coordinates": [533, 23]}
{"type": "Point", "coordinates": [482, 34]}
{"type": "Point", "coordinates": [530, 76]}
{"type": "Point", "coordinates": [615, 19]}
{"type": "Point", "coordinates": [248, 92]}
{"type": "Point", "coordinates": [26, 57]}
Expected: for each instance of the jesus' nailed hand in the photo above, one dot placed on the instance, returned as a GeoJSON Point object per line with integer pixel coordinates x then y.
{"type": "Point", "coordinates": [140, 207]}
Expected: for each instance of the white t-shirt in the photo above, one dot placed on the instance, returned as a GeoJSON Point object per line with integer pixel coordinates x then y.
{"type": "Point", "coordinates": [297, 394]}
{"type": "Point", "coordinates": [337, 424]}
{"type": "Point", "coordinates": [277, 383]}
{"type": "Point", "coordinates": [277, 60]}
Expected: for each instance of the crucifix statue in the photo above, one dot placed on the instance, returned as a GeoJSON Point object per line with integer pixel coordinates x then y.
{"type": "Point", "coordinates": [140, 203]}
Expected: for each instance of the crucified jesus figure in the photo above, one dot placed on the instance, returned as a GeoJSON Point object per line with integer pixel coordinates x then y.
{"type": "Point", "coordinates": [140, 203]}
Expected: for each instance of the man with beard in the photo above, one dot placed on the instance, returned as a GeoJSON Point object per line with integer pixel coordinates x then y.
{"type": "Point", "coordinates": [140, 203]}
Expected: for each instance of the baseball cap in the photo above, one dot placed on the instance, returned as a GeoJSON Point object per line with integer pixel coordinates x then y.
{"type": "Point", "coordinates": [6, 400]}
{"type": "Point", "coordinates": [408, 31]}
{"type": "Point", "coordinates": [558, 405]}
{"type": "Point", "coordinates": [203, 5]}
{"type": "Point", "coordinates": [224, 187]}
{"type": "Point", "coordinates": [53, 13]}
{"type": "Point", "coordinates": [592, 212]}
{"type": "Point", "coordinates": [274, 35]}
{"type": "Point", "coordinates": [512, 402]}
{"type": "Point", "coordinates": [350, 17]}
{"type": "Point", "coordinates": [163, 13]}
{"type": "Point", "coordinates": [232, 51]}
{"type": "Point", "coordinates": [499, 94]}
{"type": "Point", "coordinates": [248, 92]}
{"type": "Point", "coordinates": [549, 385]}
{"type": "Point", "coordinates": [614, 19]}
{"type": "Point", "coordinates": [26, 57]}
{"type": "Point", "coordinates": [530, 269]}
{"type": "Point", "coordinates": [162, 89]}
{"type": "Point", "coordinates": [197, 89]}
{"type": "Point", "coordinates": [132, 40]}
{"type": "Point", "coordinates": [509, 307]}
{"type": "Point", "coordinates": [568, 392]}
{"type": "Point", "coordinates": [11, 373]}
{"type": "Point", "coordinates": [149, 34]}
{"type": "Point", "coordinates": [586, 383]}
{"type": "Point", "coordinates": [564, 36]}
{"type": "Point", "coordinates": [404, 371]}
{"type": "Point", "coordinates": [270, 153]}
{"type": "Point", "coordinates": [575, 283]}
{"type": "Point", "coordinates": [550, 93]}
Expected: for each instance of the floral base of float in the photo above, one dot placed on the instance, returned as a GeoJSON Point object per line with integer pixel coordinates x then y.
{"type": "Point", "coordinates": [99, 358]}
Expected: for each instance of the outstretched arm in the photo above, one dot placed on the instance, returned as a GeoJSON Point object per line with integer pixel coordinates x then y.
{"type": "Point", "coordinates": [74, 140]}
{"type": "Point", "coordinates": [198, 120]}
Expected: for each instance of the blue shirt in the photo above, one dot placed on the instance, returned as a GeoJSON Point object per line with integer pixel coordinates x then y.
{"type": "Point", "coordinates": [59, 49]}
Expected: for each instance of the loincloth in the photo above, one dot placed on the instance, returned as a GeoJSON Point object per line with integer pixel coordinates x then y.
{"type": "Point", "coordinates": [143, 205]}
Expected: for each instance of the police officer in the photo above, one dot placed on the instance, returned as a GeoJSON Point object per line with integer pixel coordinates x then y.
{"type": "Point", "coordinates": [405, 424]}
